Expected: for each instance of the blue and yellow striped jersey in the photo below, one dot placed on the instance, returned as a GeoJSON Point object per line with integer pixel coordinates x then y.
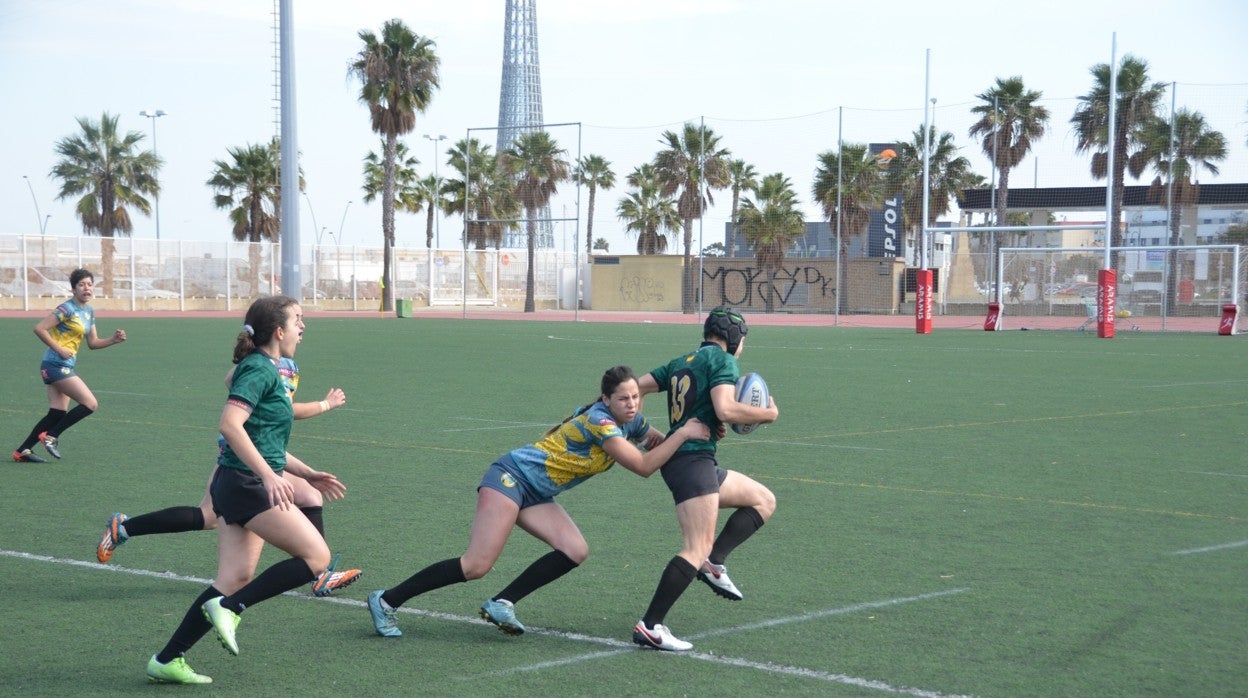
{"type": "Point", "coordinates": [573, 452]}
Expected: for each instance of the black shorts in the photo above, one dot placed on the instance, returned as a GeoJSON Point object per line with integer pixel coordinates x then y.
{"type": "Point", "coordinates": [690, 474]}
{"type": "Point", "coordinates": [238, 496]}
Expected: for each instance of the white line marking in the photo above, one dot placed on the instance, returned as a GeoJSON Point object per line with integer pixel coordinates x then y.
{"type": "Point", "coordinates": [825, 613]}
{"type": "Point", "coordinates": [118, 392]}
{"type": "Point", "coordinates": [619, 645]}
{"type": "Point", "coordinates": [1201, 472]}
{"type": "Point", "coordinates": [809, 444]}
{"type": "Point", "coordinates": [1186, 385]}
{"type": "Point", "coordinates": [1212, 548]}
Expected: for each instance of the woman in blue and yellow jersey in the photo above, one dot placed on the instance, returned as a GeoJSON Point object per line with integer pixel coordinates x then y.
{"type": "Point", "coordinates": [519, 489]}
{"type": "Point", "coordinates": [254, 502]}
{"type": "Point", "coordinates": [70, 326]}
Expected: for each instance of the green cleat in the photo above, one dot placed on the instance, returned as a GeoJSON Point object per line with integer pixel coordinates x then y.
{"type": "Point", "coordinates": [224, 621]}
{"type": "Point", "coordinates": [176, 671]}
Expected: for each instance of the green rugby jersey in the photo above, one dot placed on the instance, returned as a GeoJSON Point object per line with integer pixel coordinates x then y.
{"type": "Point", "coordinates": [258, 383]}
{"type": "Point", "coordinates": [688, 380]}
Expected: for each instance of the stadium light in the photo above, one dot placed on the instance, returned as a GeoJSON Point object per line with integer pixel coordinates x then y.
{"type": "Point", "coordinates": [437, 189]}
{"type": "Point", "coordinates": [154, 114]}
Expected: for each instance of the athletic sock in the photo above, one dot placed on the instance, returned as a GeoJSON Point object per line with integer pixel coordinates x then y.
{"type": "Point", "coordinates": [280, 577]}
{"type": "Point", "coordinates": [75, 415]}
{"type": "Point", "coordinates": [435, 576]}
{"type": "Point", "coordinates": [739, 527]}
{"type": "Point", "coordinates": [317, 516]}
{"type": "Point", "coordinates": [45, 423]}
{"type": "Point", "coordinates": [194, 626]}
{"type": "Point", "coordinates": [171, 520]}
{"type": "Point", "coordinates": [675, 579]}
{"type": "Point", "coordinates": [543, 571]}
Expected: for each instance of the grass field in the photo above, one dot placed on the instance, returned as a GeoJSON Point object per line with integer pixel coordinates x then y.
{"type": "Point", "coordinates": [962, 513]}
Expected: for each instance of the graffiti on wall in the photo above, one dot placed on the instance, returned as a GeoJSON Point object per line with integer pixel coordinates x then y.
{"type": "Point", "coordinates": [642, 289]}
{"type": "Point", "coordinates": [747, 286]}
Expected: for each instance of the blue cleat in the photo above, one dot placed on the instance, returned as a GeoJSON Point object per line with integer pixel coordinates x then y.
{"type": "Point", "coordinates": [503, 614]}
{"type": "Point", "coordinates": [385, 619]}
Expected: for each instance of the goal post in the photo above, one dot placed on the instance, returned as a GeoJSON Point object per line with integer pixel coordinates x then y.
{"type": "Point", "coordinates": [1162, 287]}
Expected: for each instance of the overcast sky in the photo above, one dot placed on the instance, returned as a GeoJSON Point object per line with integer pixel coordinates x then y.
{"type": "Point", "coordinates": [772, 77]}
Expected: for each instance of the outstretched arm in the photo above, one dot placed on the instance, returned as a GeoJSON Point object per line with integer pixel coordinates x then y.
{"type": "Point", "coordinates": [645, 464]}
{"type": "Point", "coordinates": [334, 399]}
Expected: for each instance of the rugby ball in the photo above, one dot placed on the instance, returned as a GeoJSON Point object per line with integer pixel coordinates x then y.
{"type": "Point", "coordinates": [752, 390]}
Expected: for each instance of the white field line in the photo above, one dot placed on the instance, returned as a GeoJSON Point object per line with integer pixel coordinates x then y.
{"type": "Point", "coordinates": [619, 646]}
{"type": "Point", "coordinates": [1201, 472]}
{"type": "Point", "coordinates": [1212, 548]}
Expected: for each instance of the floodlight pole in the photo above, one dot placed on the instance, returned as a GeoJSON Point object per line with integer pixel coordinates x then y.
{"type": "Point", "coordinates": [155, 114]}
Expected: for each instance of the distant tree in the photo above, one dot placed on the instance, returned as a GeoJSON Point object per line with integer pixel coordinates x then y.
{"type": "Point", "coordinates": [1236, 234]}
{"type": "Point", "coordinates": [741, 177]}
{"type": "Point", "coordinates": [482, 195]}
{"type": "Point", "coordinates": [1138, 99]}
{"type": "Point", "coordinates": [1009, 122]}
{"type": "Point", "coordinates": [110, 175]}
{"type": "Point", "coordinates": [772, 221]}
{"type": "Point", "coordinates": [715, 249]}
{"type": "Point", "coordinates": [408, 196]}
{"type": "Point", "coordinates": [848, 186]}
{"type": "Point", "coordinates": [398, 72]}
{"type": "Point", "coordinates": [594, 171]}
{"type": "Point", "coordinates": [949, 174]}
{"type": "Point", "coordinates": [248, 186]}
{"type": "Point", "coordinates": [602, 244]}
{"type": "Point", "coordinates": [646, 212]}
{"type": "Point", "coordinates": [538, 165]}
{"type": "Point", "coordinates": [689, 167]}
{"type": "Point", "coordinates": [1195, 146]}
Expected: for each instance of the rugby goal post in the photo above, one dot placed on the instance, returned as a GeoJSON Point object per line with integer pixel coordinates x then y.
{"type": "Point", "coordinates": [1161, 287]}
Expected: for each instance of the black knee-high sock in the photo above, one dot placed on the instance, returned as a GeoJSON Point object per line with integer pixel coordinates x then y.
{"type": "Point", "coordinates": [740, 526]}
{"type": "Point", "coordinates": [543, 571]}
{"type": "Point", "coordinates": [280, 577]}
{"type": "Point", "coordinates": [52, 417]}
{"type": "Point", "coordinates": [171, 520]}
{"type": "Point", "coordinates": [194, 626]}
{"type": "Point", "coordinates": [75, 415]}
{"type": "Point", "coordinates": [435, 576]}
{"type": "Point", "coordinates": [677, 577]}
{"type": "Point", "coordinates": [317, 516]}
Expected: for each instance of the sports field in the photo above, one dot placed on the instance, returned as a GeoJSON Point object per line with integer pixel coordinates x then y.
{"type": "Point", "coordinates": [961, 513]}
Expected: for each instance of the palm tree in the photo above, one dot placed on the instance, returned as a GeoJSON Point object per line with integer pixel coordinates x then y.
{"type": "Point", "coordinates": [691, 165]}
{"type": "Point", "coordinates": [430, 190]}
{"type": "Point", "coordinates": [1138, 99]}
{"type": "Point", "coordinates": [398, 72]}
{"type": "Point", "coordinates": [1195, 146]}
{"type": "Point", "coordinates": [1009, 122]}
{"type": "Point", "coordinates": [248, 185]}
{"type": "Point", "coordinates": [948, 175]}
{"type": "Point", "coordinates": [1177, 151]}
{"type": "Point", "coordinates": [482, 195]}
{"type": "Point", "coordinates": [593, 171]}
{"type": "Point", "coordinates": [537, 163]}
{"type": "Point", "coordinates": [854, 176]}
{"type": "Point", "coordinates": [111, 176]}
{"type": "Point", "coordinates": [772, 221]}
{"type": "Point", "coordinates": [408, 196]}
{"type": "Point", "coordinates": [741, 177]}
{"type": "Point", "coordinates": [647, 212]}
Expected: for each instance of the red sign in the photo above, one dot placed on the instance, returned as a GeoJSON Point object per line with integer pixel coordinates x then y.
{"type": "Point", "coordinates": [1106, 301]}
{"type": "Point", "coordinates": [923, 301]}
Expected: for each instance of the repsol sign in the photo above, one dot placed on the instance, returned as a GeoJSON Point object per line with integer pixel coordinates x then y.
{"type": "Point", "coordinates": [884, 233]}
